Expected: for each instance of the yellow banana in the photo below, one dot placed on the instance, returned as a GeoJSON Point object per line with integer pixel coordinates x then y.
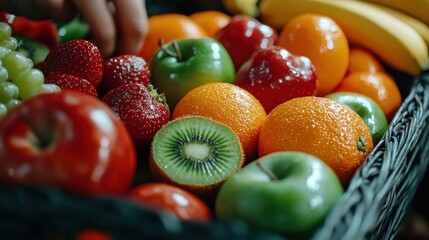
{"type": "Point", "coordinates": [248, 7]}
{"type": "Point", "coordinates": [416, 8]}
{"type": "Point", "coordinates": [415, 23]}
{"type": "Point", "coordinates": [394, 41]}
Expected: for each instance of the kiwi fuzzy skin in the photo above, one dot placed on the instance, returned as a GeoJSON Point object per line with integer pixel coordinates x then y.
{"type": "Point", "coordinates": [205, 192]}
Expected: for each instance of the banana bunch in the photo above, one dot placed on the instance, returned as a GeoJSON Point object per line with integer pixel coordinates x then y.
{"type": "Point", "coordinates": [416, 8]}
{"type": "Point", "coordinates": [247, 7]}
{"type": "Point", "coordinates": [398, 33]}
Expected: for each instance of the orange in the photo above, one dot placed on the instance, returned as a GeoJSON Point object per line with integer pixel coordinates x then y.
{"type": "Point", "coordinates": [379, 86]}
{"type": "Point", "coordinates": [230, 105]}
{"type": "Point", "coordinates": [320, 39]}
{"type": "Point", "coordinates": [361, 59]}
{"type": "Point", "coordinates": [319, 126]}
{"type": "Point", "coordinates": [169, 27]}
{"type": "Point", "coordinates": [211, 20]}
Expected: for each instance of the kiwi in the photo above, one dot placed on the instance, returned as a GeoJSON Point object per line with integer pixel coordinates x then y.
{"type": "Point", "coordinates": [32, 49]}
{"type": "Point", "coordinates": [195, 153]}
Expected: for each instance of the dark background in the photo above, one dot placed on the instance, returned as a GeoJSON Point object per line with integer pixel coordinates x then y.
{"type": "Point", "coordinates": [183, 6]}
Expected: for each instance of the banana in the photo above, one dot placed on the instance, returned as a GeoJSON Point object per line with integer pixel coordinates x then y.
{"type": "Point", "coordinates": [247, 7]}
{"type": "Point", "coordinates": [394, 41]}
{"type": "Point", "coordinates": [416, 8]}
{"type": "Point", "coordinates": [415, 23]}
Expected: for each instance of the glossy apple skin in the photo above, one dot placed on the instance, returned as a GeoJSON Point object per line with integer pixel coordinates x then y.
{"type": "Point", "coordinates": [70, 140]}
{"type": "Point", "coordinates": [204, 60]}
{"type": "Point", "coordinates": [165, 197]}
{"type": "Point", "coordinates": [274, 75]}
{"type": "Point", "coordinates": [295, 205]}
{"type": "Point", "coordinates": [243, 36]}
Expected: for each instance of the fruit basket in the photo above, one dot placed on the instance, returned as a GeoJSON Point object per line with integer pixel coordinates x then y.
{"type": "Point", "coordinates": [372, 207]}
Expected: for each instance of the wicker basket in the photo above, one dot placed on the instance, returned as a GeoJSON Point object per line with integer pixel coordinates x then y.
{"type": "Point", "coordinates": [380, 192]}
{"type": "Point", "coordinates": [372, 207]}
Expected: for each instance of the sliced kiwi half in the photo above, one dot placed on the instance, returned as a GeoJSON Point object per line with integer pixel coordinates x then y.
{"type": "Point", "coordinates": [33, 49]}
{"type": "Point", "coordinates": [196, 153]}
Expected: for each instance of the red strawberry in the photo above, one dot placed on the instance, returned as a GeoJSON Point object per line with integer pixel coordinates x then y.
{"type": "Point", "coordinates": [67, 81]}
{"type": "Point", "coordinates": [123, 69]}
{"type": "Point", "coordinates": [77, 57]}
{"type": "Point", "coordinates": [44, 31]}
{"type": "Point", "coordinates": [141, 109]}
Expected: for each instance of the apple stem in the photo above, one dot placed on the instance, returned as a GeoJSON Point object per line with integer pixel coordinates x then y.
{"type": "Point", "coordinates": [267, 171]}
{"type": "Point", "coordinates": [177, 54]}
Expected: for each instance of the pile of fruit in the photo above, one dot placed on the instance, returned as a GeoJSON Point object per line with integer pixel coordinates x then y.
{"type": "Point", "coordinates": [219, 117]}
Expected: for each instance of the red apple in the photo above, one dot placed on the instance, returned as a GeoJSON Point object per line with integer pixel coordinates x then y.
{"type": "Point", "coordinates": [69, 140]}
{"type": "Point", "coordinates": [171, 199]}
{"type": "Point", "coordinates": [274, 76]}
{"type": "Point", "coordinates": [243, 36]}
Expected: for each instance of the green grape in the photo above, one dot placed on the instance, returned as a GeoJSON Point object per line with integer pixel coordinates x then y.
{"type": "Point", "coordinates": [12, 104]}
{"type": "Point", "coordinates": [8, 91]}
{"type": "Point", "coordinates": [5, 31]}
{"type": "Point", "coordinates": [3, 74]}
{"type": "Point", "coordinates": [10, 43]}
{"type": "Point", "coordinates": [16, 62]}
{"type": "Point", "coordinates": [3, 111]}
{"type": "Point", "coordinates": [27, 81]}
{"type": "Point", "coordinates": [50, 88]}
{"type": "Point", "coordinates": [46, 88]}
{"type": "Point", "coordinates": [4, 51]}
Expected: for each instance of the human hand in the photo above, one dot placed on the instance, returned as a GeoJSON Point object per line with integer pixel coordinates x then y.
{"type": "Point", "coordinates": [116, 26]}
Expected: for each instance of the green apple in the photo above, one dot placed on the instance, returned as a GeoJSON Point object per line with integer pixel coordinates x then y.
{"type": "Point", "coordinates": [286, 192]}
{"type": "Point", "coordinates": [182, 65]}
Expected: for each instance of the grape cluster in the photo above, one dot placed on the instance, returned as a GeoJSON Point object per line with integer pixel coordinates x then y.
{"type": "Point", "coordinates": [19, 80]}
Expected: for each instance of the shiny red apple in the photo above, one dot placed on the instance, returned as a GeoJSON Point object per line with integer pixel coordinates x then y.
{"type": "Point", "coordinates": [274, 75]}
{"type": "Point", "coordinates": [171, 199]}
{"type": "Point", "coordinates": [243, 36]}
{"type": "Point", "coordinates": [69, 140]}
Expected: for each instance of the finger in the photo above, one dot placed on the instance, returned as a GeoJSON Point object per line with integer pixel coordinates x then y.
{"type": "Point", "coordinates": [100, 21]}
{"type": "Point", "coordinates": [133, 25]}
{"type": "Point", "coordinates": [60, 10]}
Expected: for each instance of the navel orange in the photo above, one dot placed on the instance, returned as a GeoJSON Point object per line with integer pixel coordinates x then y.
{"type": "Point", "coordinates": [330, 130]}
{"type": "Point", "coordinates": [211, 20]}
{"type": "Point", "coordinates": [379, 86]}
{"type": "Point", "coordinates": [168, 27]}
{"type": "Point", "coordinates": [319, 38]}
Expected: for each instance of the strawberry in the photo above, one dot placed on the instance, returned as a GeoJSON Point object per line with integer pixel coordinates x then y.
{"type": "Point", "coordinates": [68, 81]}
{"type": "Point", "coordinates": [44, 31]}
{"type": "Point", "coordinates": [123, 69]}
{"type": "Point", "coordinates": [141, 109]}
{"type": "Point", "coordinates": [77, 57]}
